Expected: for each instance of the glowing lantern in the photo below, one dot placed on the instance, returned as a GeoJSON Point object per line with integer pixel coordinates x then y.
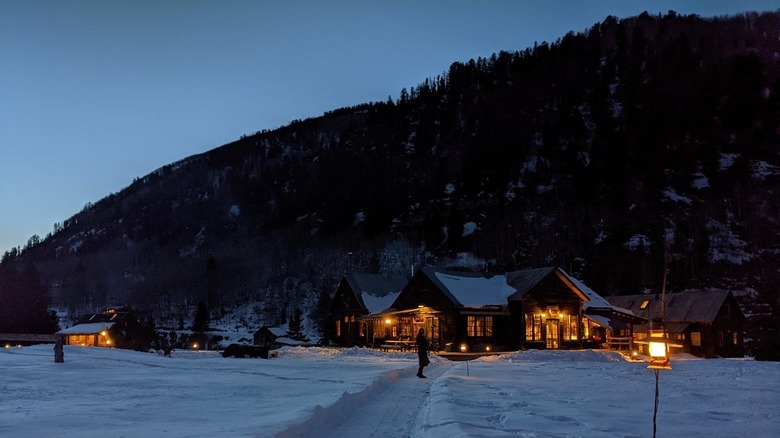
{"type": "Point", "coordinates": [658, 348]}
{"type": "Point", "coordinates": [195, 346]}
{"type": "Point", "coordinates": [464, 348]}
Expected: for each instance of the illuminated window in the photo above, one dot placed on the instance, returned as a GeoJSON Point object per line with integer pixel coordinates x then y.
{"type": "Point", "coordinates": [533, 327]}
{"type": "Point", "coordinates": [644, 304]}
{"type": "Point", "coordinates": [696, 339]}
{"type": "Point", "coordinates": [479, 326]}
{"type": "Point", "coordinates": [735, 338]}
{"type": "Point", "coordinates": [338, 327]}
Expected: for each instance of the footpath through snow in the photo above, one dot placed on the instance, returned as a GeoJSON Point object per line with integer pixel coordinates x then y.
{"type": "Point", "coordinates": [387, 408]}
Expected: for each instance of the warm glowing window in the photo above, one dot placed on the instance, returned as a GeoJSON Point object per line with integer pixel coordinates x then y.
{"type": "Point", "coordinates": [644, 304]}
{"type": "Point", "coordinates": [479, 326]}
{"type": "Point", "coordinates": [533, 327]}
{"type": "Point", "coordinates": [696, 339]}
{"type": "Point", "coordinates": [569, 325]}
{"type": "Point", "coordinates": [735, 338]}
{"type": "Point", "coordinates": [338, 327]}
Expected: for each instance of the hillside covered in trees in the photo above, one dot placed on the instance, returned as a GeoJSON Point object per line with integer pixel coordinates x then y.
{"type": "Point", "coordinates": [641, 143]}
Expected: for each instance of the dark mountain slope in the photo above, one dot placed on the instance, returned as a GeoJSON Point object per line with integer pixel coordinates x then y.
{"type": "Point", "coordinates": [594, 153]}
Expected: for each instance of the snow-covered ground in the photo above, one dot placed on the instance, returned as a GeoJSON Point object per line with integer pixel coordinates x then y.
{"type": "Point", "coordinates": [318, 392]}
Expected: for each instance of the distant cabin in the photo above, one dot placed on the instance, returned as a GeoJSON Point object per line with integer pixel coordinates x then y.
{"type": "Point", "coordinates": [359, 295]}
{"type": "Point", "coordinates": [266, 336]}
{"type": "Point", "coordinates": [706, 323]}
{"type": "Point", "coordinates": [93, 334]}
{"type": "Point", "coordinates": [92, 330]}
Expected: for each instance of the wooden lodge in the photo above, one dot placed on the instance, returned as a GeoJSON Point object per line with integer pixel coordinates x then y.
{"type": "Point", "coordinates": [359, 295]}
{"type": "Point", "coordinates": [707, 324]}
{"type": "Point", "coordinates": [475, 312]}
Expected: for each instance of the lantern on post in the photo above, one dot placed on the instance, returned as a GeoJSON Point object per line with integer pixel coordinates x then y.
{"type": "Point", "coordinates": [658, 349]}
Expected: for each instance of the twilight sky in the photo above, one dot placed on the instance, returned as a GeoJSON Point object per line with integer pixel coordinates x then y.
{"type": "Point", "coordinates": [96, 93]}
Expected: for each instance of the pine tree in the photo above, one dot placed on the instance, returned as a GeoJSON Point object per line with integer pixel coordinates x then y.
{"type": "Point", "coordinates": [295, 328]}
{"type": "Point", "coordinates": [200, 322]}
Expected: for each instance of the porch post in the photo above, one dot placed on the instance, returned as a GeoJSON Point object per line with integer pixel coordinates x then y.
{"type": "Point", "coordinates": [580, 327]}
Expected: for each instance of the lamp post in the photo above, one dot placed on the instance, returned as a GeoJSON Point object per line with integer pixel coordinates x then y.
{"type": "Point", "coordinates": [658, 348]}
{"type": "Point", "coordinates": [658, 343]}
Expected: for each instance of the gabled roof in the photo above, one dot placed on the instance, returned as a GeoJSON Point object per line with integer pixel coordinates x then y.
{"type": "Point", "coordinates": [524, 281]}
{"type": "Point", "coordinates": [680, 307]}
{"type": "Point", "coordinates": [376, 292]}
{"type": "Point", "coordinates": [275, 331]}
{"type": "Point", "coordinates": [93, 328]}
{"type": "Point", "coordinates": [471, 289]}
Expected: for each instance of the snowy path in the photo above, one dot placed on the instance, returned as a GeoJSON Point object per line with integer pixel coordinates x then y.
{"type": "Point", "coordinates": [387, 408]}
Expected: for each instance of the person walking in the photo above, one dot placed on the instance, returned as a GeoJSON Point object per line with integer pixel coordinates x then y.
{"type": "Point", "coordinates": [422, 352]}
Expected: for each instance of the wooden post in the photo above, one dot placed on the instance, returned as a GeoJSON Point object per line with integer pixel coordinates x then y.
{"type": "Point", "coordinates": [59, 354]}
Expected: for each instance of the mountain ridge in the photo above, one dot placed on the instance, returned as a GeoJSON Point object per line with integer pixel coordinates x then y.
{"type": "Point", "coordinates": [601, 153]}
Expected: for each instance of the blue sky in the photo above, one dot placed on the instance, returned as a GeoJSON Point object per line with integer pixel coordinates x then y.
{"type": "Point", "coordinates": [96, 93]}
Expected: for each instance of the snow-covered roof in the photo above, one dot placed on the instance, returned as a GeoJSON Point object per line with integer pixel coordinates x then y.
{"type": "Point", "coordinates": [594, 299]}
{"type": "Point", "coordinates": [277, 331]}
{"type": "Point", "coordinates": [291, 342]}
{"type": "Point", "coordinates": [473, 289]}
{"type": "Point", "coordinates": [702, 306]}
{"type": "Point", "coordinates": [92, 328]}
{"type": "Point", "coordinates": [376, 291]}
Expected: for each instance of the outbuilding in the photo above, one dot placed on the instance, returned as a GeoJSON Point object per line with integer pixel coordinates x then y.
{"type": "Point", "coordinates": [707, 323]}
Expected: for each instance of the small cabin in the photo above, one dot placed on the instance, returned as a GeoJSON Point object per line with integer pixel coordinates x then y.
{"type": "Point", "coordinates": [707, 323]}
{"type": "Point", "coordinates": [94, 334]}
{"type": "Point", "coordinates": [267, 336]}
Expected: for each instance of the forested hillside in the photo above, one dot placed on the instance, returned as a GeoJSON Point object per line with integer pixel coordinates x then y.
{"type": "Point", "coordinates": [606, 152]}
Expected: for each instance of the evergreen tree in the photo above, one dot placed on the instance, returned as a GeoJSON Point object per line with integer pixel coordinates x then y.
{"type": "Point", "coordinates": [200, 322]}
{"type": "Point", "coordinates": [295, 328]}
{"type": "Point", "coordinates": [320, 317]}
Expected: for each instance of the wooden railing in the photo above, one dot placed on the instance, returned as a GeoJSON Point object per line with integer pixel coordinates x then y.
{"type": "Point", "coordinates": [619, 342]}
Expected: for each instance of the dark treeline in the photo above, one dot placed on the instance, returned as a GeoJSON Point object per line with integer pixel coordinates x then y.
{"type": "Point", "coordinates": [606, 152]}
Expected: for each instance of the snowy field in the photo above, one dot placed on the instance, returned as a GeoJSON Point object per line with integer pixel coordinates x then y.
{"type": "Point", "coordinates": [318, 392]}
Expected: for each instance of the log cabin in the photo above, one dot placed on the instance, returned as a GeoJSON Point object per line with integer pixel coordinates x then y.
{"type": "Point", "coordinates": [707, 323]}
{"type": "Point", "coordinates": [359, 295]}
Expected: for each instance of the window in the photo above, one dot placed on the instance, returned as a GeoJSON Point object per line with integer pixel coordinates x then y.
{"type": "Point", "coordinates": [338, 327]}
{"type": "Point", "coordinates": [533, 327]}
{"type": "Point", "coordinates": [735, 338]}
{"type": "Point", "coordinates": [720, 339]}
{"type": "Point", "coordinates": [696, 339]}
{"type": "Point", "coordinates": [644, 304]}
{"type": "Point", "coordinates": [569, 326]}
{"type": "Point", "coordinates": [479, 326]}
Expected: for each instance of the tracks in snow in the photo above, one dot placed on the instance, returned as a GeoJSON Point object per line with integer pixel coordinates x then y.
{"type": "Point", "coordinates": [388, 407]}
